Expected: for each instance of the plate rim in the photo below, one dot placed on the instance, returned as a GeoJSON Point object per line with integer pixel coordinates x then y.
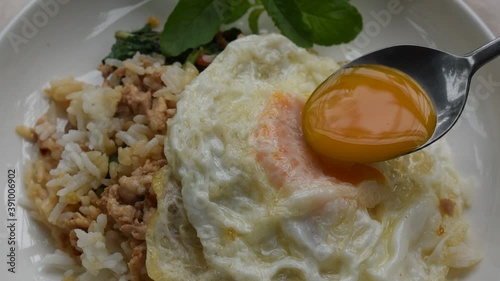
{"type": "Point", "coordinates": [461, 4]}
{"type": "Point", "coordinates": [477, 19]}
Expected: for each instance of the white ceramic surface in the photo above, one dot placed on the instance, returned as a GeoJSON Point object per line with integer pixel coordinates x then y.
{"type": "Point", "coordinates": [71, 37]}
{"type": "Point", "coordinates": [487, 10]}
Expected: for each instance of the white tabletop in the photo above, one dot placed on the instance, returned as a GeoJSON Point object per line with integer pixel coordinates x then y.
{"type": "Point", "coordinates": [488, 10]}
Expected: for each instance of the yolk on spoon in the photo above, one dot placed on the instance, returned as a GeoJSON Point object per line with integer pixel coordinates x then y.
{"type": "Point", "coordinates": [287, 158]}
{"type": "Point", "coordinates": [367, 114]}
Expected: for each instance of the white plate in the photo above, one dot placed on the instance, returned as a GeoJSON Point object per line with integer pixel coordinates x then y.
{"type": "Point", "coordinates": [70, 37]}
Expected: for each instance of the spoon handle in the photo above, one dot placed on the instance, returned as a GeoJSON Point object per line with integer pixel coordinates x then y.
{"type": "Point", "coordinates": [484, 54]}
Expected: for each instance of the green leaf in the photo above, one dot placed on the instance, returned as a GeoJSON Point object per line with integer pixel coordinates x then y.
{"type": "Point", "coordinates": [253, 20]}
{"type": "Point", "coordinates": [192, 23]}
{"type": "Point", "coordinates": [324, 22]}
{"type": "Point", "coordinates": [144, 41]}
{"type": "Point", "coordinates": [235, 9]}
{"type": "Point", "coordinates": [332, 22]}
{"type": "Point", "coordinates": [288, 18]}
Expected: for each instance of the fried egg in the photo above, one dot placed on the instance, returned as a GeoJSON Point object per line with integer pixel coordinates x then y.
{"type": "Point", "coordinates": [245, 198]}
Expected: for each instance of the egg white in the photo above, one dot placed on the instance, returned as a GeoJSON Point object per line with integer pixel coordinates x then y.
{"type": "Point", "coordinates": [232, 223]}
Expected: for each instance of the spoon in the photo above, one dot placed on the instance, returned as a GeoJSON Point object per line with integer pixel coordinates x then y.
{"type": "Point", "coordinates": [445, 77]}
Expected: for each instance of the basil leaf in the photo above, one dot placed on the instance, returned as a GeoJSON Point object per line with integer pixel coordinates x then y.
{"type": "Point", "coordinates": [288, 18]}
{"type": "Point", "coordinates": [253, 20]}
{"type": "Point", "coordinates": [235, 9]}
{"type": "Point", "coordinates": [325, 22]}
{"type": "Point", "coordinates": [332, 22]}
{"type": "Point", "coordinates": [144, 40]}
{"type": "Point", "coordinates": [192, 23]}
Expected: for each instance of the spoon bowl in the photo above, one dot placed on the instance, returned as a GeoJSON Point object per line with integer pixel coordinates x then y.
{"type": "Point", "coordinates": [445, 77]}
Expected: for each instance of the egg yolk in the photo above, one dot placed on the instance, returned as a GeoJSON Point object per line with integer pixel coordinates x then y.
{"type": "Point", "coordinates": [286, 157]}
{"type": "Point", "coordinates": [368, 114]}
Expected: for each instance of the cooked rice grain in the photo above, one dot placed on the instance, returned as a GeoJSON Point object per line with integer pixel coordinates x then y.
{"type": "Point", "coordinates": [90, 184]}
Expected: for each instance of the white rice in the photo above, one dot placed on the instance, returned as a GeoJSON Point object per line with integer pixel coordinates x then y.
{"type": "Point", "coordinates": [83, 163]}
{"type": "Point", "coordinates": [96, 257]}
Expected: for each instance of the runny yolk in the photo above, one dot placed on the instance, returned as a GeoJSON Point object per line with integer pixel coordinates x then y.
{"type": "Point", "coordinates": [286, 157]}
{"type": "Point", "coordinates": [368, 114]}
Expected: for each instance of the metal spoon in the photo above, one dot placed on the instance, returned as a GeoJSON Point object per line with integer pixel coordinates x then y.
{"type": "Point", "coordinates": [445, 77]}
